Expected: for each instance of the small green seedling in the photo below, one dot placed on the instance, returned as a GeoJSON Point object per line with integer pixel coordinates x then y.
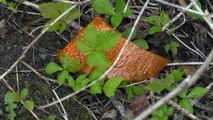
{"type": "Point", "coordinates": [133, 90]}
{"type": "Point", "coordinates": [195, 93]}
{"type": "Point", "coordinates": [52, 10]}
{"type": "Point", "coordinates": [158, 23]}
{"type": "Point", "coordinates": [106, 7]}
{"type": "Point", "coordinates": [10, 5]}
{"type": "Point", "coordinates": [172, 46]}
{"type": "Point", "coordinates": [163, 113]}
{"type": "Point", "coordinates": [11, 100]}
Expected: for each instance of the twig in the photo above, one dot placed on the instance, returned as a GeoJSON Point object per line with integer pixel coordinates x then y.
{"type": "Point", "coordinates": [35, 40]}
{"type": "Point", "coordinates": [186, 63]}
{"type": "Point", "coordinates": [65, 113]}
{"type": "Point", "coordinates": [175, 18]}
{"type": "Point", "coordinates": [75, 3]}
{"type": "Point", "coordinates": [208, 20]}
{"type": "Point", "coordinates": [185, 84]}
{"type": "Point", "coordinates": [17, 79]}
{"type": "Point", "coordinates": [111, 67]}
{"type": "Point", "coordinates": [177, 107]}
{"type": "Point", "coordinates": [180, 7]}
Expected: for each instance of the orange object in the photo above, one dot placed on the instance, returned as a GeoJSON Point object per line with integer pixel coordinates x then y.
{"type": "Point", "coordinates": [135, 64]}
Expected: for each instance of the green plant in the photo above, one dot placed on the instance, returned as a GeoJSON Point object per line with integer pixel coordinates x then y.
{"type": "Point", "coordinates": [163, 113]}
{"type": "Point", "coordinates": [196, 16]}
{"type": "Point", "coordinates": [169, 82]}
{"type": "Point", "coordinates": [172, 46]}
{"type": "Point", "coordinates": [52, 10]}
{"type": "Point", "coordinates": [106, 7]}
{"type": "Point", "coordinates": [10, 5]}
{"type": "Point", "coordinates": [141, 43]}
{"type": "Point", "coordinates": [185, 95]}
{"type": "Point", "coordinates": [133, 90]}
{"type": "Point", "coordinates": [12, 98]}
{"type": "Point", "coordinates": [158, 23]}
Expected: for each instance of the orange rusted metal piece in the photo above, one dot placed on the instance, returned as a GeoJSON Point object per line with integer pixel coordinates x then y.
{"type": "Point", "coordinates": [135, 64]}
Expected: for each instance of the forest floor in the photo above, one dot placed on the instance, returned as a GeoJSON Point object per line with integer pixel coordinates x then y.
{"type": "Point", "coordinates": [16, 36]}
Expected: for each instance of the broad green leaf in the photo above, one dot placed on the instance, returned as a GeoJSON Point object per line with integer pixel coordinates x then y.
{"type": "Point", "coordinates": [52, 117]}
{"type": "Point", "coordinates": [81, 82]}
{"type": "Point", "coordinates": [73, 15]}
{"type": "Point", "coordinates": [103, 7]}
{"type": "Point", "coordinates": [96, 74]}
{"type": "Point", "coordinates": [90, 35]}
{"type": "Point", "coordinates": [116, 20]}
{"type": "Point", "coordinates": [75, 65]}
{"type": "Point", "coordinates": [186, 105]}
{"type": "Point", "coordinates": [137, 90]}
{"type": "Point", "coordinates": [107, 40]}
{"type": "Point", "coordinates": [65, 61]}
{"type": "Point", "coordinates": [155, 29]}
{"type": "Point", "coordinates": [141, 43]}
{"type": "Point", "coordinates": [169, 111]}
{"type": "Point", "coordinates": [160, 112]}
{"type": "Point", "coordinates": [96, 88]}
{"type": "Point", "coordinates": [183, 93]}
{"type": "Point", "coordinates": [164, 18]}
{"type": "Point", "coordinates": [49, 10]}
{"type": "Point", "coordinates": [178, 74]}
{"type": "Point", "coordinates": [71, 81]}
{"type": "Point", "coordinates": [197, 92]}
{"type": "Point", "coordinates": [168, 81]}
{"type": "Point", "coordinates": [83, 47]}
{"type": "Point", "coordinates": [10, 107]}
{"type": "Point", "coordinates": [155, 86]}
{"type": "Point", "coordinates": [62, 76]}
{"type": "Point", "coordinates": [24, 93]}
{"type": "Point", "coordinates": [153, 20]}
{"type": "Point", "coordinates": [154, 118]}
{"type": "Point", "coordinates": [111, 85]}
{"type": "Point", "coordinates": [174, 44]}
{"type": "Point", "coordinates": [29, 105]}
{"type": "Point", "coordinates": [12, 114]}
{"type": "Point", "coordinates": [129, 92]}
{"type": "Point", "coordinates": [7, 98]}
{"type": "Point", "coordinates": [15, 97]}
{"type": "Point", "coordinates": [127, 32]}
{"type": "Point", "coordinates": [97, 59]}
{"type": "Point", "coordinates": [120, 6]}
{"type": "Point", "coordinates": [52, 67]}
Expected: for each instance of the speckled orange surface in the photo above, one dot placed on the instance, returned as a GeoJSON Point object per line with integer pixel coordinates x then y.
{"type": "Point", "coordinates": [135, 64]}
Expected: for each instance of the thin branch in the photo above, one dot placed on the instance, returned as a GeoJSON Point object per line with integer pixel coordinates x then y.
{"type": "Point", "coordinates": [186, 63]}
{"type": "Point", "coordinates": [35, 40]}
{"type": "Point", "coordinates": [111, 67]}
{"type": "Point", "coordinates": [185, 84]}
{"type": "Point", "coordinates": [177, 107]}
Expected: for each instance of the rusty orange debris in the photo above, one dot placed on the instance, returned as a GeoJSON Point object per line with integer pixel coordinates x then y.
{"type": "Point", "coordinates": [135, 64]}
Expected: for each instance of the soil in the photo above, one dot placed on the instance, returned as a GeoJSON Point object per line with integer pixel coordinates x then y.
{"type": "Point", "coordinates": [45, 50]}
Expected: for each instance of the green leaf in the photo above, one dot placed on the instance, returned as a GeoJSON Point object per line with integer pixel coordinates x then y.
{"type": "Point", "coordinates": [170, 111]}
{"type": "Point", "coordinates": [141, 43]}
{"type": "Point", "coordinates": [111, 85]}
{"type": "Point", "coordinates": [167, 47]}
{"type": "Point", "coordinates": [116, 20]}
{"type": "Point", "coordinates": [137, 90]}
{"type": "Point", "coordinates": [96, 88]}
{"type": "Point", "coordinates": [103, 7]}
{"type": "Point", "coordinates": [81, 82]}
{"type": "Point", "coordinates": [90, 35]}
{"type": "Point", "coordinates": [24, 93]}
{"type": "Point", "coordinates": [155, 86]}
{"type": "Point", "coordinates": [71, 81]}
{"type": "Point", "coordinates": [129, 92]}
{"type": "Point", "coordinates": [29, 105]}
{"type": "Point", "coordinates": [97, 59]}
{"type": "Point", "coordinates": [83, 47]}
{"type": "Point", "coordinates": [65, 61]}
{"type": "Point", "coordinates": [127, 32]}
{"type": "Point", "coordinates": [197, 92]}
{"type": "Point", "coordinates": [120, 6]}
{"type": "Point", "coordinates": [173, 46]}
{"type": "Point", "coordinates": [62, 76]}
{"type": "Point", "coordinates": [154, 118]}
{"type": "Point", "coordinates": [155, 29]}
{"type": "Point", "coordinates": [52, 67]}
{"type": "Point", "coordinates": [75, 65]}
{"type": "Point", "coordinates": [49, 10]}
{"type": "Point", "coordinates": [183, 93]}
{"type": "Point", "coordinates": [160, 112]}
{"type": "Point", "coordinates": [196, 16]}
{"type": "Point", "coordinates": [154, 21]}
{"type": "Point", "coordinates": [107, 40]}
{"type": "Point", "coordinates": [52, 117]}
{"type": "Point", "coordinates": [186, 105]}
{"type": "Point", "coordinates": [164, 18]}
{"type": "Point", "coordinates": [12, 97]}
{"type": "Point", "coordinates": [178, 74]}
{"type": "Point", "coordinates": [168, 81]}
{"type": "Point", "coordinates": [11, 115]}
{"type": "Point", "coordinates": [7, 98]}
